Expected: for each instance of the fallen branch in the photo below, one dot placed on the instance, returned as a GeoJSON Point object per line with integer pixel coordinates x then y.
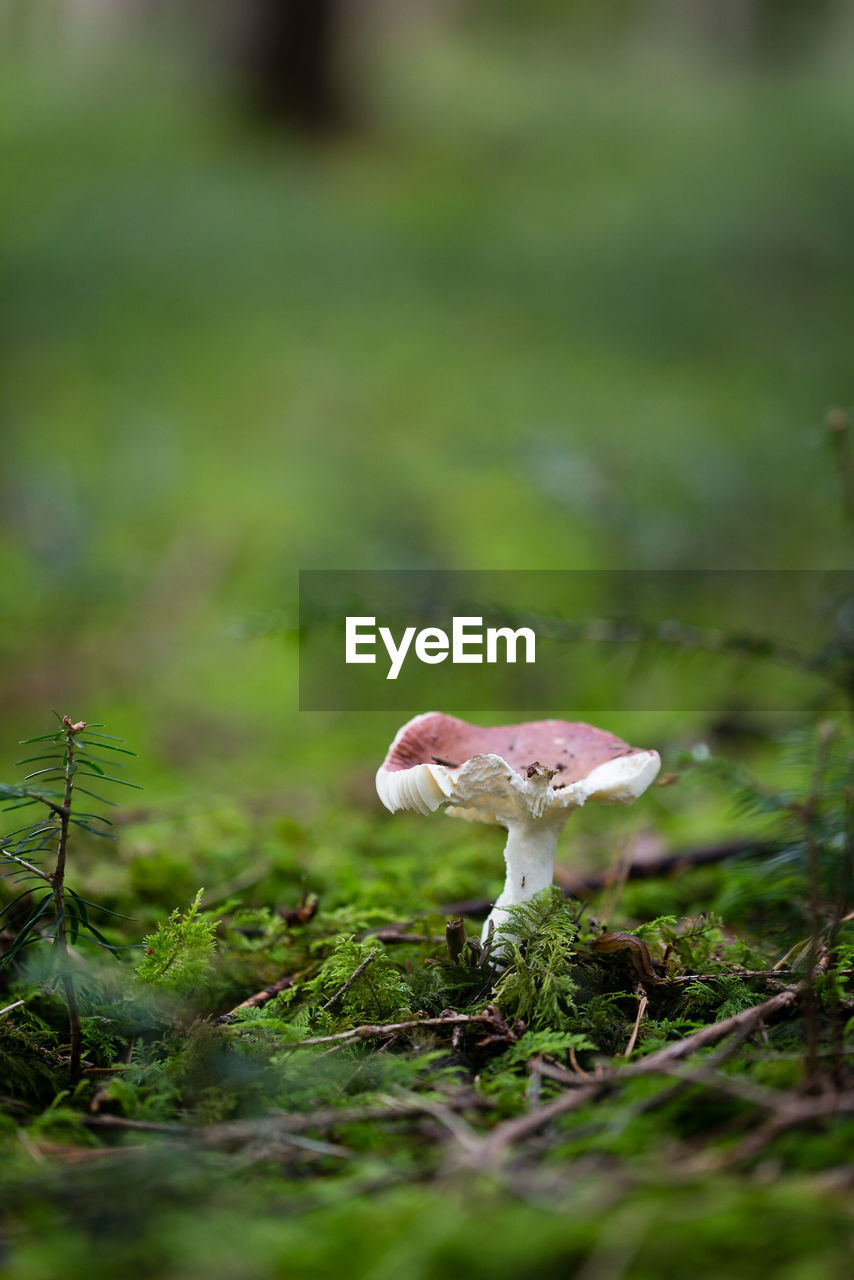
{"type": "Point", "coordinates": [581, 1090]}
{"type": "Point", "coordinates": [739, 1022]}
{"type": "Point", "coordinates": [795, 1111]}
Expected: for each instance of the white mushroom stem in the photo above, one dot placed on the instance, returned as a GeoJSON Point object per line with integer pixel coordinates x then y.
{"type": "Point", "coordinates": [530, 858]}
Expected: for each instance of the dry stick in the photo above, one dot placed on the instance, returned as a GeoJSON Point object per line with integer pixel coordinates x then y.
{"type": "Point", "coordinates": [644, 1001]}
{"type": "Point", "coordinates": [577, 1068]}
{"type": "Point", "coordinates": [257, 1001]}
{"type": "Point", "coordinates": [729, 1049]}
{"type": "Point", "coordinates": [455, 1124]}
{"type": "Point", "coordinates": [140, 1126]}
{"type": "Point", "coordinates": [261, 998]}
{"type": "Point", "coordinates": [510, 1131]}
{"type": "Point", "coordinates": [357, 973]}
{"type": "Point", "coordinates": [797, 1111]}
{"type": "Point", "coordinates": [769, 975]}
{"type": "Point", "coordinates": [373, 1031]}
{"type": "Point", "coordinates": [747, 1018]}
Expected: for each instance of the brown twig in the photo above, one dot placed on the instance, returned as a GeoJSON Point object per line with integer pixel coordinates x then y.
{"type": "Point", "coordinates": [257, 1001]}
{"type": "Point", "coordinates": [581, 1091]}
{"type": "Point", "coordinates": [491, 1018]}
{"type": "Point", "coordinates": [794, 1111]}
{"type": "Point", "coordinates": [504, 1135]}
{"type": "Point", "coordinates": [345, 986]}
{"type": "Point", "coordinates": [706, 1036]}
{"type": "Point", "coordinates": [633, 1038]}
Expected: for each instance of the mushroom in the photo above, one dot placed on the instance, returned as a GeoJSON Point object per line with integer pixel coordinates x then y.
{"type": "Point", "coordinates": [524, 777]}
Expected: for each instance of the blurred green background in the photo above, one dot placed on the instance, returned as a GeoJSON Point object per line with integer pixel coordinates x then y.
{"type": "Point", "coordinates": [529, 286]}
{"type": "Point", "coordinates": [407, 284]}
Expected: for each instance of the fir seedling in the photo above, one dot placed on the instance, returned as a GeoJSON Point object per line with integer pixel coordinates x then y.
{"type": "Point", "coordinates": [53, 912]}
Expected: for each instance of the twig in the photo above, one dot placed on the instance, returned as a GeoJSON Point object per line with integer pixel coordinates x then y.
{"type": "Point", "coordinates": [768, 975]}
{"type": "Point", "coordinates": [793, 1112]}
{"type": "Point", "coordinates": [736, 1086]}
{"type": "Point", "coordinates": [257, 1001]}
{"type": "Point", "coordinates": [456, 1125]}
{"type": "Point", "coordinates": [577, 1068]}
{"type": "Point", "coordinates": [345, 986]}
{"type": "Point", "coordinates": [373, 1032]}
{"type": "Point", "coordinates": [583, 1091]}
{"type": "Point", "coordinates": [491, 1148]}
{"type": "Point", "coordinates": [23, 793]}
{"type": "Point", "coordinates": [663, 1098]}
{"type": "Point", "coordinates": [141, 1126]}
{"type": "Point", "coordinates": [10, 1007]}
{"type": "Point", "coordinates": [739, 1022]}
{"type": "Point", "coordinates": [644, 1001]}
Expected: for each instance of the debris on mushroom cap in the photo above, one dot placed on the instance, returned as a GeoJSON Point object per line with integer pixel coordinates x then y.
{"type": "Point", "coordinates": [571, 749]}
{"type": "Point", "coordinates": [437, 759]}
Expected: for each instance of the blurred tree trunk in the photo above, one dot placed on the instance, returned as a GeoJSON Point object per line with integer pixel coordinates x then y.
{"type": "Point", "coordinates": [292, 62]}
{"type": "Point", "coordinates": [785, 29]}
{"type": "Point", "coordinates": [758, 31]}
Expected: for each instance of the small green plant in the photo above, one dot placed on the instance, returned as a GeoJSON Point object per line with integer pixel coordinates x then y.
{"type": "Point", "coordinates": [52, 912]}
{"type": "Point", "coordinates": [536, 985]}
{"type": "Point", "coordinates": [179, 953]}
